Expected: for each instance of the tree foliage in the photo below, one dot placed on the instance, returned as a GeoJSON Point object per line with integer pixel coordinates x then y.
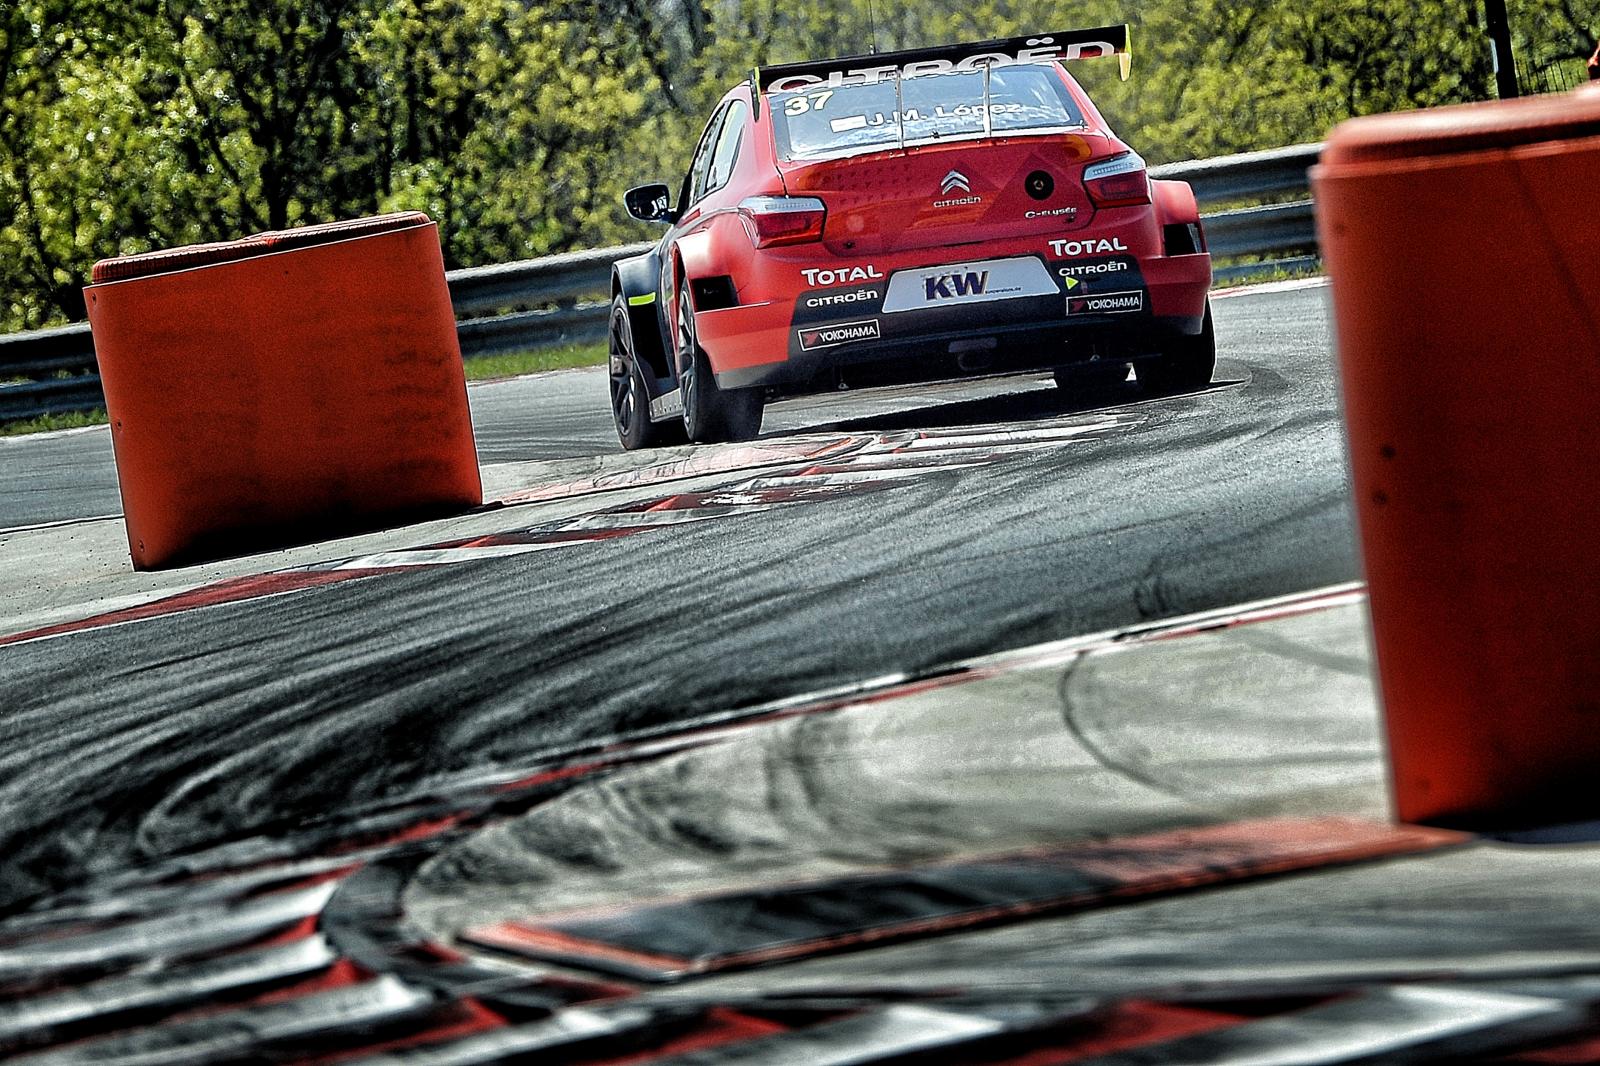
{"type": "Point", "coordinates": [516, 124]}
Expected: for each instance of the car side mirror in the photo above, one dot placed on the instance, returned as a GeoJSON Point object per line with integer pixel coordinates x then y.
{"type": "Point", "coordinates": [650, 203]}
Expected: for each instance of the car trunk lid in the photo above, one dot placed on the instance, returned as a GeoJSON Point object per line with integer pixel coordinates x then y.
{"type": "Point", "coordinates": [962, 192]}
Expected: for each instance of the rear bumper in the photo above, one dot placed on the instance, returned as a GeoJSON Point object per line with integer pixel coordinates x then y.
{"type": "Point", "coordinates": [1116, 306]}
{"type": "Point", "coordinates": [976, 352]}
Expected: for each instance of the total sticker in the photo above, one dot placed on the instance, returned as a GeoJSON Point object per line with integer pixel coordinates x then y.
{"type": "Point", "coordinates": [1090, 246]}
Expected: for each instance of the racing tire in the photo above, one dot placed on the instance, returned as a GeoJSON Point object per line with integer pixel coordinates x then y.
{"type": "Point", "coordinates": [711, 413]}
{"type": "Point", "coordinates": [1186, 365]}
{"type": "Point", "coordinates": [630, 396]}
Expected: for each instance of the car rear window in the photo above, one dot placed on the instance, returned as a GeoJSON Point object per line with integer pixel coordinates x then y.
{"type": "Point", "coordinates": [821, 120]}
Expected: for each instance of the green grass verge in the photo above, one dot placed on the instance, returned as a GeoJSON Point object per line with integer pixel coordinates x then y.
{"type": "Point", "coordinates": [1266, 274]}
{"type": "Point", "coordinates": [482, 367]}
{"type": "Point", "coordinates": [45, 423]}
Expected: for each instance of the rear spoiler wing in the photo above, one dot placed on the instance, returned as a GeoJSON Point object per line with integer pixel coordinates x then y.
{"type": "Point", "coordinates": [913, 62]}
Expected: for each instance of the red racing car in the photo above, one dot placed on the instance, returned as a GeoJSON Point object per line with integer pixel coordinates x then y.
{"type": "Point", "coordinates": [907, 216]}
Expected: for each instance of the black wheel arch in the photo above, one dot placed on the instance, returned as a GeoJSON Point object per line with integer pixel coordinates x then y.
{"type": "Point", "coordinates": [636, 281]}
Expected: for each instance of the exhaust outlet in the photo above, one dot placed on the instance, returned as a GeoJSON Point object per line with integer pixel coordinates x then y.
{"type": "Point", "coordinates": [975, 354]}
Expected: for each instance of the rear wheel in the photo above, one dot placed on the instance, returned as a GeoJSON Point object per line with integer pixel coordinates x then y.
{"type": "Point", "coordinates": [711, 413]}
{"type": "Point", "coordinates": [630, 397]}
{"type": "Point", "coordinates": [1187, 363]}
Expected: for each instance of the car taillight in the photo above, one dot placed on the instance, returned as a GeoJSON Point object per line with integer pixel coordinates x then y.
{"type": "Point", "coordinates": [1118, 182]}
{"type": "Point", "coordinates": [783, 219]}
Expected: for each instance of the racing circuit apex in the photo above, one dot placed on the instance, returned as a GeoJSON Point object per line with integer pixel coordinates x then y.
{"type": "Point", "coordinates": [903, 217]}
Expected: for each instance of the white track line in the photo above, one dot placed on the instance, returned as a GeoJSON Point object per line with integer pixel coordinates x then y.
{"type": "Point", "coordinates": [63, 522]}
{"type": "Point", "coordinates": [53, 434]}
{"type": "Point", "coordinates": [1291, 285]}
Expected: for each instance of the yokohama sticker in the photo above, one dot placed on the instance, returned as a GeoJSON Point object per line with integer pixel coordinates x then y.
{"type": "Point", "coordinates": [844, 333]}
{"type": "Point", "coordinates": [1106, 303]}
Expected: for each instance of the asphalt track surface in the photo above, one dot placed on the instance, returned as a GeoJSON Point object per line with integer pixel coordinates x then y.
{"type": "Point", "coordinates": [133, 744]}
{"type": "Point", "coordinates": [879, 736]}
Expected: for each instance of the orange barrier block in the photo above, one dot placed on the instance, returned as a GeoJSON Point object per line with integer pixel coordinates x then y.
{"type": "Point", "coordinates": [1464, 249]}
{"type": "Point", "coordinates": [282, 388]}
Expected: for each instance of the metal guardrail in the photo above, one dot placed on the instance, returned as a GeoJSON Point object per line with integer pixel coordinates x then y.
{"type": "Point", "coordinates": [478, 291]}
{"type": "Point", "coordinates": [1228, 178]}
{"type": "Point", "coordinates": [559, 299]}
{"type": "Point", "coordinates": [1274, 230]}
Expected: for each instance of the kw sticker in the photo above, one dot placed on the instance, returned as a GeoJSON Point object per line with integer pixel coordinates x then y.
{"type": "Point", "coordinates": [965, 283]}
{"type": "Point", "coordinates": [946, 286]}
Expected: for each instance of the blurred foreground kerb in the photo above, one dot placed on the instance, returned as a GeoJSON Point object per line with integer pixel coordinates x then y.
{"type": "Point", "coordinates": [282, 388]}
{"type": "Point", "coordinates": [1461, 246]}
